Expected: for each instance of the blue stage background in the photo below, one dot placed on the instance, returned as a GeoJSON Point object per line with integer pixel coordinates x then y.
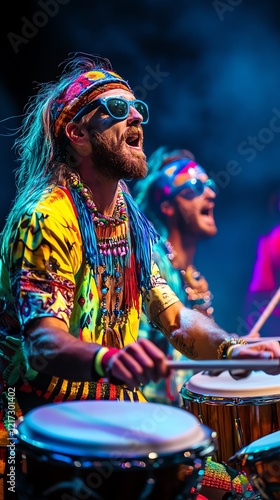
{"type": "Point", "coordinates": [210, 73]}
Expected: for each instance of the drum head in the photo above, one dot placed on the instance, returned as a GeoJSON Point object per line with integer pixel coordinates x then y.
{"type": "Point", "coordinates": [262, 448]}
{"type": "Point", "coordinates": [257, 383]}
{"type": "Point", "coordinates": [111, 429]}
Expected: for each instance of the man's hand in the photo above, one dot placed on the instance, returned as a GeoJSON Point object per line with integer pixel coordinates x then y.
{"type": "Point", "coordinates": [259, 350]}
{"type": "Point", "coordinates": [138, 363]}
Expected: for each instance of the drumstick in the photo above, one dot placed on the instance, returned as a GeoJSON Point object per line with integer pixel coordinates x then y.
{"type": "Point", "coordinates": [226, 364]}
{"type": "Point", "coordinates": [261, 339]}
{"type": "Point", "coordinates": [266, 312]}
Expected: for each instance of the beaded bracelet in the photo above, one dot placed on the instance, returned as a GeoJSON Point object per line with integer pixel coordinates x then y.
{"type": "Point", "coordinates": [228, 342]}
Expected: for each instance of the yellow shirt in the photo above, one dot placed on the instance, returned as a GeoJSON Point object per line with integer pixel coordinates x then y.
{"type": "Point", "coordinates": [45, 273]}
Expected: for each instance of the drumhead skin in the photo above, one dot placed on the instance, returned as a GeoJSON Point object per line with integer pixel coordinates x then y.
{"type": "Point", "coordinates": [111, 429]}
{"type": "Point", "coordinates": [266, 445]}
{"type": "Point", "coordinates": [258, 383]}
{"type": "Point", "coordinates": [240, 411]}
{"type": "Point", "coordinates": [111, 449]}
{"type": "Point", "coordinates": [260, 461]}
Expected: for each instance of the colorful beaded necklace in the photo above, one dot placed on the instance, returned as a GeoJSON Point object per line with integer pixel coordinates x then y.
{"type": "Point", "coordinates": [118, 249]}
{"type": "Point", "coordinates": [107, 245]}
{"type": "Point", "coordinates": [115, 264]}
{"type": "Point", "coordinates": [119, 216]}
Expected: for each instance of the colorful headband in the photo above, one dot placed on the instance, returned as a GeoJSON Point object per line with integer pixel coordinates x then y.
{"type": "Point", "coordinates": [172, 178]}
{"type": "Point", "coordinates": [82, 91]}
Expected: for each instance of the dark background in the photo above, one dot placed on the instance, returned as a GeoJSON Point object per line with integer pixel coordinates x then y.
{"type": "Point", "coordinates": [209, 71]}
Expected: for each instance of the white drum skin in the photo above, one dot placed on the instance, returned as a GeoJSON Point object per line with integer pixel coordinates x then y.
{"type": "Point", "coordinates": [110, 448]}
{"type": "Point", "coordinates": [240, 411]}
{"type": "Point", "coordinates": [260, 460]}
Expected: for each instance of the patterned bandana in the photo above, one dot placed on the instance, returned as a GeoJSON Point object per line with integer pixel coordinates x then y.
{"type": "Point", "coordinates": [174, 176]}
{"type": "Point", "coordinates": [80, 93]}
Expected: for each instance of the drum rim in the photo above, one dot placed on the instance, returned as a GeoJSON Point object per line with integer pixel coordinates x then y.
{"type": "Point", "coordinates": [247, 457]}
{"type": "Point", "coordinates": [229, 401]}
{"type": "Point", "coordinates": [202, 450]}
{"type": "Point", "coordinates": [32, 430]}
{"type": "Point", "coordinates": [202, 384]}
{"type": "Point", "coordinates": [260, 449]}
{"type": "Point", "coordinates": [29, 431]}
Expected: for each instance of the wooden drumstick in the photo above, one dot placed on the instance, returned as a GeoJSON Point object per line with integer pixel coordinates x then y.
{"type": "Point", "coordinates": [266, 312]}
{"type": "Point", "coordinates": [261, 339]}
{"type": "Point", "coordinates": [224, 364]}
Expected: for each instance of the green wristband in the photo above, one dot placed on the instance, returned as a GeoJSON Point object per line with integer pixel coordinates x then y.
{"type": "Point", "coordinates": [97, 363]}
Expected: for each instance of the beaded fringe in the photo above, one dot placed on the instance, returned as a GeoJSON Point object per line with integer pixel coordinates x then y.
{"type": "Point", "coordinates": [143, 237]}
{"type": "Point", "coordinates": [88, 234]}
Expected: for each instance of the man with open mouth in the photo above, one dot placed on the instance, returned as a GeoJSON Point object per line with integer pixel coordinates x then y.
{"type": "Point", "coordinates": [76, 263]}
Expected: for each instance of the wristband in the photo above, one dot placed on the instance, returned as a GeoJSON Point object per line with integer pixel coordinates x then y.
{"type": "Point", "coordinates": [222, 351]}
{"type": "Point", "coordinates": [97, 361]}
{"type": "Point", "coordinates": [106, 358]}
{"type": "Point", "coordinates": [101, 363]}
{"type": "Point", "coordinates": [229, 351]}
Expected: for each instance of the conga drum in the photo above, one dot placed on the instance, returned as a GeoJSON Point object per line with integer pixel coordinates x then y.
{"type": "Point", "coordinates": [110, 449]}
{"type": "Point", "coordinates": [260, 460]}
{"type": "Point", "coordinates": [240, 411]}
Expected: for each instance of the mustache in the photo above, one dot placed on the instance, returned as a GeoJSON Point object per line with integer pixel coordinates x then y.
{"type": "Point", "coordinates": [133, 130]}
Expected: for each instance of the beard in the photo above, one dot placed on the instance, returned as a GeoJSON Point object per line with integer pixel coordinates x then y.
{"type": "Point", "coordinates": [191, 225]}
{"type": "Point", "coordinates": [115, 162]}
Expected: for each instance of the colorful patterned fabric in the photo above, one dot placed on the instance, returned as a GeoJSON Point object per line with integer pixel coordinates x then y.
{"type": "Point", "coordinates": [46, 274]}
{"type": "Point", "coordinates": [222, 477]}
{"type": "Point", "coordinates": [81, 92]}
{"type": "Point", "coordinates": [166, 391]}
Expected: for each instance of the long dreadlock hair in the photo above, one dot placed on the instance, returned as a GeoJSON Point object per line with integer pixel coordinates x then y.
{"type": "Point", "coordinates": [42, 163]}
{"type": "Point", "coordinates": [38, 153]}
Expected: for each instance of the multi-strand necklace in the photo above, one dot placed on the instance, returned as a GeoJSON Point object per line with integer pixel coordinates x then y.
{"type": "Point", "coordinates": [114, 256]}
{"type": "Point", "coordinates": [196, 287]}
{"type": "Point", "coordinates": [119, 216]}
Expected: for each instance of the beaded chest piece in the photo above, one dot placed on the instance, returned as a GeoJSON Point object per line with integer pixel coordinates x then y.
{"type": "Point", "coordinates": [114, 265]}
